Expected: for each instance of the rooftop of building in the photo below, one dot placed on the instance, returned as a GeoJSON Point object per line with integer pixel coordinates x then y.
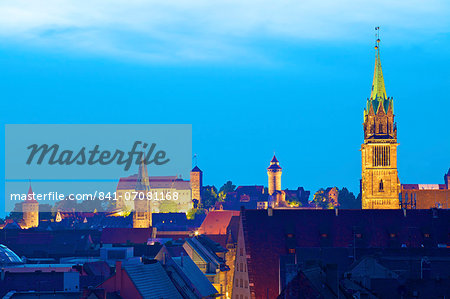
{"type": "Point", "coordinates": [269, 237]}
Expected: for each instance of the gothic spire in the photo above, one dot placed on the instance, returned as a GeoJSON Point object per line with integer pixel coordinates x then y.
{"type": "Point", "coordinates": [142, 178]}
{"type": "Point", "coordinates": [378, 90]}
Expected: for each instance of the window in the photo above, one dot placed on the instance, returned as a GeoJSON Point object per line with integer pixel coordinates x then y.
{"type": "Point", "coordinates": [241, 267]}
{"type": "Point", "coordinates": [291, 250]}
{"type": "Point", "coordinates": [245, 267]}
{"type": "Point", "coordinates": [237, 282]}
{"type": "Point", "coordinates": [246, 284]}
{"type": "Point", "coordinates": [381, 156]}
{"type": "Point", "coordinates": [381, 185]}
{"type": "Point", "coordinates": [241, 283]}
{"type": "Point", "coordinates": [241, 251]}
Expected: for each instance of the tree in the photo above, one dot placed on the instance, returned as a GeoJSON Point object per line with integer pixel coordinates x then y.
{"type": "Point", "coordinates": [320, 199]}
{"type": "Point", "coordinates": [227, 187]}
{"type": "Point", "coordinates": [192, 213]}
{"type": "Point", "coordinates": [209, 197]}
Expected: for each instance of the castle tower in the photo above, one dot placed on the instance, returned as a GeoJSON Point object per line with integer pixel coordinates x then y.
{"type": "Point", "coordinates": [196, 185]}
{"type": "Point", "coordinates": [380, 183]}
{"type": "Point", "coordinates": [142, 216]}
{"type": "Point", "coordinates": [30, 210]}
{"type": "Point", "coordinates": [274, 174]}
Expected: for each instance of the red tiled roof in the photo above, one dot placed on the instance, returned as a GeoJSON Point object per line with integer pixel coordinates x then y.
{"type": "Point", "coordinates": [123, 235]}
{"type": "Point", "coordinates": [216, 222]}
{"type": "Point", "coordinates": [267, 237]}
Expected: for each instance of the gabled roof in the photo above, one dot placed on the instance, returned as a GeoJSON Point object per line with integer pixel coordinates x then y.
{"type": "Point", "coordinates": [151, 280]}
{"type": "Point", "coordinates": [195, 275]}
{"type": "Point", "coordinates": [216, 222]}
{"type": "Point", "coordinates": [205, 253]}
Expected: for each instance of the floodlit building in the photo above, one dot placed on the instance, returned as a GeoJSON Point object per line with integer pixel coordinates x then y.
{"type": "Point", "coordinates": [380, 185]}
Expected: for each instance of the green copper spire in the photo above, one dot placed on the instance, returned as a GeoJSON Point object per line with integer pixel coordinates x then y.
{"type": "Point", "coordinates": [378, 89]}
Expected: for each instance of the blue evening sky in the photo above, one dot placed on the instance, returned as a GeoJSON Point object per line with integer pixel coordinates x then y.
{"type": "Point", "coordinates": [253, 78]}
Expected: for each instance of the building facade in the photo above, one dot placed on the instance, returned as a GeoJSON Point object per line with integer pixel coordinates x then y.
{"type": "Point", "coordinates": [426, 196]}
{"type": "Point", "coordinates": [168, 194]}
{"type": "Point", "coordinates": [380, 185]}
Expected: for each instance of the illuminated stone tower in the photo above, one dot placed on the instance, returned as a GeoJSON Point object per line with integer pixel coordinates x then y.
{"type": "Point", "coordinates": [196, 185]}
{"type": "Point", "coordinates": [274, 174]}
{"type": "Point", "coordinates": [30, 210]}
{"type": "Point", "coordinates": [380, 184]}
{"type": "Point", "coordinates": [142, 216]}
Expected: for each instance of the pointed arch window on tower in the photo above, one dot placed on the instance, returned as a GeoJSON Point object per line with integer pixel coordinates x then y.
{"type": "Point", "coordinates": [381, 187]}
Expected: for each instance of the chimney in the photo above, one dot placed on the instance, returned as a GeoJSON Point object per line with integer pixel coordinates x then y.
{"type": "Point", "coordinates": [153, 232]}
{"type": "Point", "coordinates": [270, 211]}
{"type": "Point", "coordinates": [404, 212]}
{"type": "Point", "coordinates": [118, 275]}
{"type": "Point", "coordinates": [336, 211]}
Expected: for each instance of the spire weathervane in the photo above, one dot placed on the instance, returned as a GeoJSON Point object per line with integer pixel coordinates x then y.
{"type": "Point", "coordinates": [377, 35]}
{"type": "Point", "coordinates": [194, 159]}
{"type": "Point", "coordinates": [378, 89]}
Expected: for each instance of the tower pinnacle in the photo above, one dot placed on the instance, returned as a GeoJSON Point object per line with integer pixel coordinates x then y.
{"type": "Point", "coordinates": [378, 90]}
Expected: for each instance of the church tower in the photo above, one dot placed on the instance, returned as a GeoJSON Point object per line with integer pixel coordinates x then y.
{"type": "Point", "coordinates": [380, 184]}
{"type": "Point", "coordinates": [274, 174]}
{"type": "Point", "coordinates": [30, 210]}
{"type": "Point", "coordinates": [196, 185]}
{"type": "Point", "coordinates": [142, 216]}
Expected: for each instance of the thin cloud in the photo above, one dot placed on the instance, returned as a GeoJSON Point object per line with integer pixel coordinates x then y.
{"type": "Point", "coordinates": [206, 30]}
